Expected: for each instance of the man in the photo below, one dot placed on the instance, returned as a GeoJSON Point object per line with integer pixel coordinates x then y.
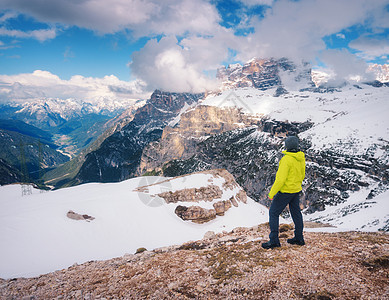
{"type": "Point", "coordinates": [286, 190]}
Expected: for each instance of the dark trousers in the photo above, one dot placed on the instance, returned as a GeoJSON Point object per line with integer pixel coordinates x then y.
{"type": "Point", "coordinates": [280, 201]}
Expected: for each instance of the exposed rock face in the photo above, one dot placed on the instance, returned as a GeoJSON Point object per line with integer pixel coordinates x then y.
{"type": "Point", "coordinates": [119, 156]}
{"type": "Point", "coordinates": [180, 141]}
{"type": "Point", "coordinates": [208, 193]}
{"type": "Point", "coordinates": [262, 74]}
{"type": "Point", "coordinates": [222, 206]}
{"type": "Point", "coordinates": [222, 195]}
{"type": "Point", "coordinates": [195, 214]}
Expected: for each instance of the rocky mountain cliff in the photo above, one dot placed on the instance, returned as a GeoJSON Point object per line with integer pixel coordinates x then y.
{"type": "Point", "coordinates": [118, 157]}
{"type": "Point", "coordinates": [264, 74]}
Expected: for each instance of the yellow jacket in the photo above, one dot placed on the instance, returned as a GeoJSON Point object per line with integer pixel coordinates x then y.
{"type": "Point", "coordinates": [290, 174]}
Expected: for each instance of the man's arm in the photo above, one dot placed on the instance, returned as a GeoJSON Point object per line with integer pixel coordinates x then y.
{"type": "Point", "coordinates": [281, 176]}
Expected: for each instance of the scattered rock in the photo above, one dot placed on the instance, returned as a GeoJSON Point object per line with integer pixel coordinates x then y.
{"type": "Point", "coordinates": [209, 235]}
{"type": "Point", "coordinates": [75, 216]}
{"type": "Point", "coordinates": [241, 196]}
{"type": "Point", "coordinates": [195, 214]}
{"type": "Point", "coordinates": [140, 250]}
{"type": "Point", "coordinates": [233, 201]}
{"type": "Point", "coordinates": [221, 207]}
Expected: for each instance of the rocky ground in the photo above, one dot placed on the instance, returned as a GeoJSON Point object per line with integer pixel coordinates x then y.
{"type": "Point", "coordinates": [229, 265]}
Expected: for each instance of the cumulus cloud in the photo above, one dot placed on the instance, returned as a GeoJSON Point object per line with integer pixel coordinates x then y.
{"type": "Point", "coordinates": [340, 36]}
{"type": "Point", "coordinates": [345, 66]}
{"type": "Point", "coordinates": [370, 48]}
{"type": "Point", "coordinates": [293, 29]}
{"type": "Point", "coordinates": [169, 66]}
{"type": "Point", "coordinates": [43, 84]}
{"type": "Point", "coordinates": [296, 28]}
{"type": "Point", "coordinates": [142, 17]}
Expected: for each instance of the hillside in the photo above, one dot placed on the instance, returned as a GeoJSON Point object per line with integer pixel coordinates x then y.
{"type": "Point", "coordinates": [16, 147]}
{"type": "Point", "coordinates": [24, 128]}
{"type": "Point", "coordinates": [228, 265]}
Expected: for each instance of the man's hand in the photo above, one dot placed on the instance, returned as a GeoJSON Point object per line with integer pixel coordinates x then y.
{"type": "Point", "coordinates": [271, 199]}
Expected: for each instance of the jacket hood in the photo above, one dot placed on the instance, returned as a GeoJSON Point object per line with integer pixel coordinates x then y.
{"type": "Point", "coordinates": [297, 155]}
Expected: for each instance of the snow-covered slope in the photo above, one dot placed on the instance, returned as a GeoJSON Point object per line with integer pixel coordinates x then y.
{"type": "Point", "coordinates": [351, 116]}
{"type": "Point", "coordinates": [358, 213]}
{"type": "Point", "coordinates": [37, 236]}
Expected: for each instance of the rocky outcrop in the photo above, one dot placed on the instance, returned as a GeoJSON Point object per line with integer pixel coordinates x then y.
{"type": "Point", "coordinates": [195, 214]}
{"type": "Point", "coordinates": [208, 193]}
{"type": "Point", "coordinates": [201, 215]}
{"type": "Point", "coordinates": [221, 207]}
{"type": "Point", "coordinates": [222, 196]}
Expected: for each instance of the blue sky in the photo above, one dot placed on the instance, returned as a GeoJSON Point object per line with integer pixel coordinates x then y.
{"type": "Point", "coordinates": [176, 45]}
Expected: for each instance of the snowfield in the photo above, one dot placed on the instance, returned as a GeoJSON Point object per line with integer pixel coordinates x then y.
{"type": "Point", "coordinates": [350, 121]}
{"type": "Point", "coordinates": [37, 237]}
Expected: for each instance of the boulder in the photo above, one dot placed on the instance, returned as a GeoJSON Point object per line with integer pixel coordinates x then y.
{"type": "Point", "coordinates": [221, 207]}
{"type": "Point", "coordinates": [75, 216]}
{"type": "Point", "coordinates": [195, 214]}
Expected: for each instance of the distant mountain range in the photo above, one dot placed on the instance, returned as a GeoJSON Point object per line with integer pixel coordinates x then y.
{"type": "Point", "coordinates": [73, 124]}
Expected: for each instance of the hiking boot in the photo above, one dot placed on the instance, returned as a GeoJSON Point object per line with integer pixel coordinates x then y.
{"type": "Point", "coordinates": [270, 245]}
{"type": "Point", "coordinates": [295, 241]}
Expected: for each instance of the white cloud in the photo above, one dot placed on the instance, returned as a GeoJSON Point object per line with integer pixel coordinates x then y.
{"type": "Point", "coordinates": [295, 29]}
{"type": "Point", "coordinates": [341, 36]}
{"type": "Point", "coordinates": [40, 34]}
{"type": "Point", "coordinates": [257, 2]}
{"type": "Point", "coordinates": [370, 48]}
{"type": "Point", "coordinates": [142, 17]}
{"type": "Point", "coordinates": [43, 84]}
{"type": "Point", "coordinates": [168, 66]}
{"type": "Point", "coordinates": [7, 15]}
{"type": "Point", "coordinates": [345, 66]}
